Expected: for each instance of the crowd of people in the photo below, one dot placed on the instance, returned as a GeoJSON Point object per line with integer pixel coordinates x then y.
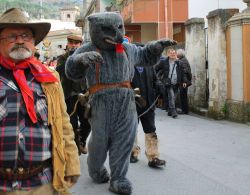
{"type": "Point", "coordinates": [174, 74]}
{"type": "Point", "coordinates": [42, 106]}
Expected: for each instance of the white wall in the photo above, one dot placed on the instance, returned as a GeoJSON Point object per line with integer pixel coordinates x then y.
{"type": "Point", "coordinates": [200, 8]}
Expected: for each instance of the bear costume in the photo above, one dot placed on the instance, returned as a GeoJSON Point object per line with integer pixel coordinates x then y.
{"type": "Point", "coordinates": [108, 63]}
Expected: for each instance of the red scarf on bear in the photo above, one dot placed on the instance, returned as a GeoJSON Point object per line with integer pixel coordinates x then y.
{"type": "Point", "coordinates": [39, 71]}
{"type": "Point", "coordinates": [119, 48]}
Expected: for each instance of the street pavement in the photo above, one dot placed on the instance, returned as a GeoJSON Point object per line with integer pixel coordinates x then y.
{"type": "Point", "coordinates": [204, 157]}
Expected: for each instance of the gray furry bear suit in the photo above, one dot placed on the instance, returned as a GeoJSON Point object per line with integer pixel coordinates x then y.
{"type": "Point", "coordinates": [113, 111]}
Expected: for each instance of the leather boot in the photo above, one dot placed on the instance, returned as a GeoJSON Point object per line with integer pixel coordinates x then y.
{"type": "Point", "coordinates": [83, 149]}
{"type": "Point", "coordinates": [77, 140]}
{"type": "Point", "coordinates": [134, 154]}
{"type": "Point", "coordinates": [152, 153]}
{"type": "Point", "coordinates": [156, 163]}
{"type": "Point", "coordinates": [135, 151]}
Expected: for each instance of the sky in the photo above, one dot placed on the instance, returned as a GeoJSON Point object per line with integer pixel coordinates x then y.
{"type": "Point", "coordinates": [201, 8]}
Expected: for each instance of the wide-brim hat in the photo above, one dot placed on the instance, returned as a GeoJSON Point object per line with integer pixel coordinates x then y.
{"type": "Point", "coordinates": [15, 17]}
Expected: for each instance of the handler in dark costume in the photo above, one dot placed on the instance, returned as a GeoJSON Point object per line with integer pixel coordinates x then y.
{"type": "Point", "coordinates": [71, 89]}
{"type": "Point", "coordinates": [145, 79]}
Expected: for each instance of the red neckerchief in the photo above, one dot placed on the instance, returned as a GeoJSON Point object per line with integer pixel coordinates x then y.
{"type": "Point", "coordinates": [119, 48]}
{"type": "Point", "coordinates": [39, 71]}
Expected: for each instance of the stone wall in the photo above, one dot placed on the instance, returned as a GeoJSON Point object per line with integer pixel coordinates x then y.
{"type": "Point", "coordinates": [227, 73]}
{"type": "Point", "coordinates": [217, 62]}
{"type": "Point", "coordinates": [195, 53]}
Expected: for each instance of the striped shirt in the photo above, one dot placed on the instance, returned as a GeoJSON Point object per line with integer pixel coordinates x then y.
{"type": "Point", "coordinates": [22, 143]}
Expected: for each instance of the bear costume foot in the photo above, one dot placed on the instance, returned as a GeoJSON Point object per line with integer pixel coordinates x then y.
{"type": "Point", "coordinates": [123, 187]}
{"type": "Point", "coordinates": [102, 177]}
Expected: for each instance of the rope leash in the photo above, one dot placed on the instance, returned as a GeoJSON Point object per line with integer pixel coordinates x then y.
{"type": "Point", "coordinates": [151, 106]}
{"type": "Point", "coordinates": [75, 107]}
{"type": "Point", "coordinates": [145, 112]}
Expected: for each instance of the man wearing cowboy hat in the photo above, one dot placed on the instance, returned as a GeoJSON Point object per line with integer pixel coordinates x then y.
{"type": "Point", "coordinates": [38, 154]}
{"type": "Point", "coordinates": [71, 91]}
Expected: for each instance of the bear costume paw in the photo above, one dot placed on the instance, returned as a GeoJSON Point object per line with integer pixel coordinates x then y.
{"type": "Point", "coordinates": [157, 47]}
{"type": "Point", "coordinates": [102, 177]}
{"type": "Point", "coordinates": [88, 58]}
{"type": "Point", "coordinates": [123, 187]}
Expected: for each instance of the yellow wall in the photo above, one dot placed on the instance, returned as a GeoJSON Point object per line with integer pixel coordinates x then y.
{"type": "Point", "coordinates": [246, 61]}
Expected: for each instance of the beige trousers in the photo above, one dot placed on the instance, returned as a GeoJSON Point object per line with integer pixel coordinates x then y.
{"type": "Point", "coordinates": [45, 189]}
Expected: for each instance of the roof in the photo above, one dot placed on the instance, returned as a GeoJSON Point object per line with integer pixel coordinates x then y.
{"type": "Point", "coordinates": [64, 32]}
{"type": "Point", "coordinates": [58, 24]}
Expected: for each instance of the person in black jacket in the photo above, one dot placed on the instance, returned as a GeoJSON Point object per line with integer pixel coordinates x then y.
{"type": "Point", "coordinates": [145, 80]}
{"type": "Point", "coordinates": [171, 74]}
{"type": "Point", "coordinates": [184, 90]}
{"type": "Point", "coordinates": [71, 90]}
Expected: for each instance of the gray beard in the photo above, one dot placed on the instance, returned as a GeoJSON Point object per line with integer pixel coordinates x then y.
{"type": "Point", "coordinates": [20, 54]}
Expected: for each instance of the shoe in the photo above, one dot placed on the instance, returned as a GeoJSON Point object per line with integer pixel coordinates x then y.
{"type": "Point", "coordinates": [182, 112]}
{"type": "Point", "coordinates": [134, 154]}
{"type": "Point", "coordinates": [133, 159]}
{"type": "Point", "coordinates": [174, 115]}
{"type": "Point", "coordinates": [169, 113]}
{"type": "Point", "coordinates": [157, 163]}
{"type": "Point", "coordinates": [83, 149]}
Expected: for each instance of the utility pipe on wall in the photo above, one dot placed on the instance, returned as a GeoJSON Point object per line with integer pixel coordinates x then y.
{"type": "Point", "coordinates": [166, 18]}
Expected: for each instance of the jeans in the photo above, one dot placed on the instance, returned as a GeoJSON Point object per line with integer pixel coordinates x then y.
{"type": "Point", "coordinates": [172, 92]}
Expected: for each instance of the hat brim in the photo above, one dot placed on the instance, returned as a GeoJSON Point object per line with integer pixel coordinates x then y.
{"type": "Point", "coordinates": [40, 29]}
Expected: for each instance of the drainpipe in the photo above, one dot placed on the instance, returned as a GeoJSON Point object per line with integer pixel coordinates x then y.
{"type": "Point", "coordinates": [158, 19]}
{"type": "Point", "coordinates": [166, 18]}
{"type": "Point", "coordinates": [132, 12]}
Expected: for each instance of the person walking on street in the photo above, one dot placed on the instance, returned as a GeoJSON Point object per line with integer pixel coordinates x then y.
{"type": "Point", "coordinates": [184, 90]}
{"type": "Point", "coordinates": [170, 72]}
{"type": "Point", "coordinates": [145, 80]}
{"type": "Point", "coordinates": [38, 154]}
{"type": "Point", "coordinates": [71, 91]}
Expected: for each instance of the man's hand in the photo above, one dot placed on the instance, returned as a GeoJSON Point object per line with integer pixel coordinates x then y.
{"type": "Point", "coordinates": [184, 85]}
{"type": "Point", "coordinates": [71, 180]}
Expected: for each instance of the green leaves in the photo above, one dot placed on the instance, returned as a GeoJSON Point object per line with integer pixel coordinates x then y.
{"type": "Point", "coordinates": [49, 9]}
